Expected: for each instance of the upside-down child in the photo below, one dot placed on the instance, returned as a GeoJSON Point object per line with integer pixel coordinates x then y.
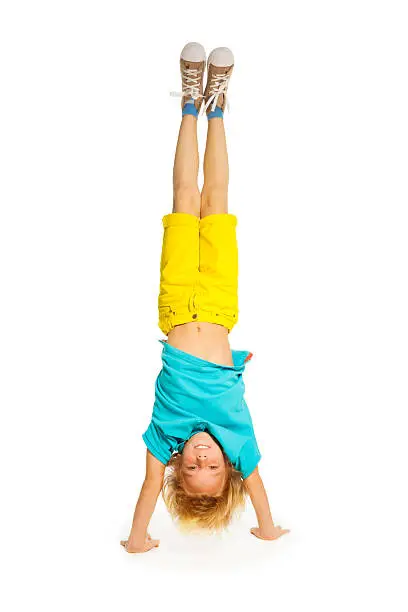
{"type": "Point", "coordinates": [201, 447]}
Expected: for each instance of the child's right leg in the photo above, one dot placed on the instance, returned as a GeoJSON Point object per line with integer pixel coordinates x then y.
{"type": "Point", "coordinates": [199, 265]}
{"type": "Point", "coordinates": [214, 196]}
{"type": "Point", "coordinates": [218, 244]}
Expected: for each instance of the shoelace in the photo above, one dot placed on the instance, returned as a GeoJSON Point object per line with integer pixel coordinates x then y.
{"type": "Point", "coordinates": [218, 87]}
{"type": "Point", "coordinates": [191, 84]}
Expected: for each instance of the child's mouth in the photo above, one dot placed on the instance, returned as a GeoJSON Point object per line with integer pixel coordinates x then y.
{"type": "Point", "coordinates": [201, 446]}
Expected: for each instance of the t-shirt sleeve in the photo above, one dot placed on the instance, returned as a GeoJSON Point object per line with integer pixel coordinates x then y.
{"type": "Point", "coordinates": [249, 458]}
{"type": "Point", "coordinates": [157, 443]}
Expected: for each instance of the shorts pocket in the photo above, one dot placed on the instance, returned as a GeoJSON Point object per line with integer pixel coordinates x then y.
{"type": "Point", "coordinates": [165, 318]}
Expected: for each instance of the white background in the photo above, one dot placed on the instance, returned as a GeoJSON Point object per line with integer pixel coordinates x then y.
{"type": "Point", "coordinates": [318, 137]}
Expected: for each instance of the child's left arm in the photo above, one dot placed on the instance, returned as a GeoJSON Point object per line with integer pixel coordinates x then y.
{"type": "Point", "coordinates": [139, 540]}
{"type": "Point", "coordinates": [266, 529]}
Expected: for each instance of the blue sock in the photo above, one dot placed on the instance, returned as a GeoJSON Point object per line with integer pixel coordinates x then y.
{"type": "Point", "coordinates": [217, 112]}
{"type": "Point", "coordinates": [189, 108]}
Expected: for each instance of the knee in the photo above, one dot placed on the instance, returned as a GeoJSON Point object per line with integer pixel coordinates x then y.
{"type": "Point", "coordinates": [214, 200]}
{"type": "Point", "coordinates": [186, 199]}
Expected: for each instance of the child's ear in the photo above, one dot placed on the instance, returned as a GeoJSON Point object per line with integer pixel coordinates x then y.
{"type": "Point", "coordinates": [174, 460]}
{"type": "Point", "coordinates": [227, 461]}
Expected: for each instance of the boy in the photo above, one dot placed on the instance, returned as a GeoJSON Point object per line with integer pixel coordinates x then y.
{"type": "Point", "coordinates": [201, 428]}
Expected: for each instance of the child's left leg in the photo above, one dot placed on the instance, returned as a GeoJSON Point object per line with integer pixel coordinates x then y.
{"type": "Point", "coordinates": [214, 196]}
{"type": "Point", "coordinates": [199, 265]}
{"type": "Point", "coordinates": [180, 251]}
{"type": "Point", "coordinates": [186, 195]}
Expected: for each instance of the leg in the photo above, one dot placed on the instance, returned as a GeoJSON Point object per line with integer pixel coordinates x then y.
{"type": "Point", "coordinates": [186, 195]}
{"type": "Point", "coordinates": [218, 244]}
{"type": "Point", "coordinates": [180, 252]}
{"type": "Point", "coordinates": [214, 197]}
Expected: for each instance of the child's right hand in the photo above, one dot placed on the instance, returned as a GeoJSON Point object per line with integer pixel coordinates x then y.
{"type": "Point", "coordinates": [273, 533]}
{"type": "Point", "coordinates": [130, 546]}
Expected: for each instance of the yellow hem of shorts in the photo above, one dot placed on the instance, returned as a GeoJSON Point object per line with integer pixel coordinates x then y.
{"type": "Point", "coordinates": [170, 320]}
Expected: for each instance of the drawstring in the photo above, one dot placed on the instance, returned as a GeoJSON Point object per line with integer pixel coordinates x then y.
{"type": "Point", "coordinates": [218, 87]}
{"type": "Point", "coordinates": [191, 84]}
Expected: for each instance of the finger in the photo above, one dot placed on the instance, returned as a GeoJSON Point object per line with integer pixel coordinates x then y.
{"type": "Point", "coordinates": [150, 545]}
{"type": "Point", "coordinates": [123, 543]}
{"type": "Point", "coordinates": [155, 543]}
{"type": "Point", "coordinates": [279, 534]}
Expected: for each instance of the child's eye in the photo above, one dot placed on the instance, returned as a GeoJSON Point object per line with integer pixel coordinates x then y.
{"type": "Point", "coordinates": [191, 467]}
{"type": "Point", "coordinates": [213, 467]}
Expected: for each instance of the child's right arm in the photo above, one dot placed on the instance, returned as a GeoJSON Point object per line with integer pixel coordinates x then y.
{"type": "Point", "coordinates": [266, 529]}
{"type": "Point", "coordinates": [139, 540]}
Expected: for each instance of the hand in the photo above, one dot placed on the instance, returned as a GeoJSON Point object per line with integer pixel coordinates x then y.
{"type": "Point", "coordinates": [148, 545]}
{"type": "Point", "coordinates": [271, 534]}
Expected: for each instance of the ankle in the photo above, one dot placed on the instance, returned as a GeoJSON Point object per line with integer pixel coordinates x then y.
{"type": "Point", "coordinates": [189, 108]}
{"type": "Point", "coordinates": [217, 113]}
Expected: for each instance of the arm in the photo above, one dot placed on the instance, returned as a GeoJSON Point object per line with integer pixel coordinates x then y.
{"type": "Point", "coordinates": [139, 540]}
{"type": "Point", "coordinates": [266, 529]}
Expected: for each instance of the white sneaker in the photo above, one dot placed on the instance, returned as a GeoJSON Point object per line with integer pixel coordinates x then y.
{"type": "Point", "coordinates": [220, 66]}
{"type": "Point", "coordinates": [192, 67]}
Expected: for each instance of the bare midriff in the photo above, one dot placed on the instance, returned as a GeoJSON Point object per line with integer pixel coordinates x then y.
{"type": "Point", "coordinates": [205, 340]}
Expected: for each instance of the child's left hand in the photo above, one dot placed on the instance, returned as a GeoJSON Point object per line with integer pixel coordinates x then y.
{"type": "Point", "coordinates": [273, 533]}
{"type": "Point", "coordinates": [148, 545]}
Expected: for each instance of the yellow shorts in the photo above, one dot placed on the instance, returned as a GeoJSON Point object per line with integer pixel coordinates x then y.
{"type": "Point", "coordinates": [198, 271]}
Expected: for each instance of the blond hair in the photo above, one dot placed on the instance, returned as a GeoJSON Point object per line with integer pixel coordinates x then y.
{"type": "Point", "coordinates": [202, 511]}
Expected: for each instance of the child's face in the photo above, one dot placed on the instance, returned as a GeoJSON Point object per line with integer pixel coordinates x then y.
{"type": "Point", "coordinates": [203, 466]}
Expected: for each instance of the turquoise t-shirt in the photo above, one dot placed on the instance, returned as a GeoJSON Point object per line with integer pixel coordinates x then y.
{"type": "Point", "coordinates": [194, 395]}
